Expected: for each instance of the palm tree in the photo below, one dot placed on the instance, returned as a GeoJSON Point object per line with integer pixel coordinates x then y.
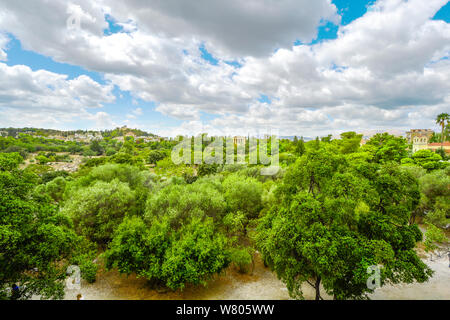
{"type": "Point", "coordinates": [440, 120]}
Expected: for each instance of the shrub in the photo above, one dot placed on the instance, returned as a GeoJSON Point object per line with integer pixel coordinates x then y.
{"type": "Point", "coordinates": [243, 194]}
{"type": "Point", "coordinates": [97, 210]}
{"type": "Point", "coordinates": [10, 161]}
{"type": "Point", "coordinates": [242, 259]}
{"type": "Point", "coordinates": [172, 257]}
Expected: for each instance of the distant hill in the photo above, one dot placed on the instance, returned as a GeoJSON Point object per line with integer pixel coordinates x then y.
{"type": "Point", "coordinates": [13, 132]}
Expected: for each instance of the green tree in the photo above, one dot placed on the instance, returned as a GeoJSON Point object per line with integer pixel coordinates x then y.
{"type": "Point", "coordinates": [243, 195]}
{"type": "Point", "coordinates": [434, 235]}
{"type": "Point", "coordinates": [350, 142]}
{"type": "Point", "coordinates": [55, 188]}
{"type": "Point", "coordinates": [300, 148]}
{"type": "Point", "coordinates": [36, 242]}
{"type": "Point", "coordinates": [441, 119]}
{"type": "Point", "coordinates": [22, 151]}
{"type": "Point", "coordinates": [387, 148]}
{"type": "Point", "coordinates": [98, 210]}
{"type": "Point", "coordinates": [155, 156]}
{"type": "Point", "coordinates": [427, 159]}
{"type": "Point", "coordinates": [10, 161]}
{"type": "Point", "coordinates": [207, 169]}
{"type": "Point", "coordinates": [327, 139]}
{"type": "Point", "coordinates": [435, 197]}
{"type": "Point", "coordinates": [97, 148]}
{"type": "Point", "coordinates": [178, 242]}
{"type": "Point", "coordinates": [202, 198]}
{"type": "Point", "coordinates": [337, 219]}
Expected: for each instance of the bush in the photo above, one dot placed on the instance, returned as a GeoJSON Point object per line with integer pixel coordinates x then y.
{"type": "Point", "coordinates": [95, 162]}
{"type": "Point", "coordinates": [110, 152]}
{"type": "Point", "coordinates": [97, 210]}
{"type": "Point", "coordinates": [429, 160]}
{"type": "Point", "coordinates": [55, 188]}
{"type": "Point", "coordinates": [242, 259]}
{"type": "Point", "coordinates": [172, 257]}
{"type": "Point", "coordinates": [434, 235]}
{"type": "Point", "coordinates": [207, 169]}
{"type": "Point", "coordinates": [85, 253]}
{"type": "Point", "coordinates": [182, 202]}
{"type": "Point", "coordinates": [87, 152]}
{"type": "Point", "coordinates": [89, 271]}
{"type": "Point", "coordinates": [243, 194]}
{"type": "Point", "coordinates": [42, 159]}
{"type": "Point", "coordinates": [438, 218]}
{"type": "Point", "coordinates": [155, 156]}
{"type": "Point", "coordinates": [16, 149]}
{"type": "Point", "coordinates": [49, 176]}
{"type": "Point", "coordinates": [10, 161]}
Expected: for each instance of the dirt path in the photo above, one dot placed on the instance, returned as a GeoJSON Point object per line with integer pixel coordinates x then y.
{"type": "Point", "coordinates": [261, 285]}
{"type": "Point", "coordinates": [437, 288]}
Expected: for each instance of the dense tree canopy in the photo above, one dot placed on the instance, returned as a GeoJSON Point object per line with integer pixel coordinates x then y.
{"type": "Point", "coordinates": [386, 148]}
{"type": "Point", "coordinates": [337, 220]}
{"type": "Point", "coordinates": [333, 210]}
{"type": "Point", "coordinates": [35, 240]}
{"type": "Point", "coordinates": [97, 210]}
{"type": "Point", "coordinates": [177, 242]}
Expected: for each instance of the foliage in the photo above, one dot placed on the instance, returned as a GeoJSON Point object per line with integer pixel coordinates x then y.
{"type": "Point", "coordinates": [51, 175]}
{"type": "Point", "coordinates": [426, 159]}
{"type": "Point", "coordinates": [97, 210]}
{"type": "Point", "coordinates": [55, 188]}
{"type": "Point", "coordinates": [207, 169]}
{"type": "Point", "coordinates": [434, 235]}
{"type": "Point", "coordinates": [10, 161]}
{"type": "Point", "coordinates": [172, 257]}
{"type": "Point", "coordinates": [441, 119]}
{"type": "Point", "coordinates": [387, 148]}
{"type": "Point", "coordinates": [243, 194]}
{"type": "Point", "coordinates": [435, 190]}
{"type": "Point", "coordinates": [97, 148]}
{"type": "Point", "coordinates": [300, 148]}
{"type": "Point", "coordinates": [349, 143]}
{"type": "Point", "coordinates": [34, 239]}
{"type": "Point", "coordinates": [242, 258]}
{"type": "Point", "coordinates": [336, 220]}
{"type": "Point", "coordinates": [155, 156]}
{"type": "Point", "coordinates": [438, 218]}
{"type": "Point", "coordinates": [181, 202]}
{"type": "Point", "coordinates": [333, 210]}
{"type": "Point", "coordinates": [20, 150]}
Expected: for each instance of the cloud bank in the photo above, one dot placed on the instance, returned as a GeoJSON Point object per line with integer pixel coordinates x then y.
{"type": "Point", "coordinates": [389, 69]}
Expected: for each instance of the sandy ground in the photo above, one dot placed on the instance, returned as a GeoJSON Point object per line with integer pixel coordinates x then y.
{"type": "Point", "coordinates": [261, 285]}
{"type": "Point", "coordinates": [437, 288]}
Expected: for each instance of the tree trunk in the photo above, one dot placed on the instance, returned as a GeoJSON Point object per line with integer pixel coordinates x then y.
{"type": "Point", "coordinates": [317, 286]}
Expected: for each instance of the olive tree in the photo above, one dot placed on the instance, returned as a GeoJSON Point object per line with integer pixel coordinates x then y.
{"type": "Point", "coordinates": [336, 220]}
{"type": "Point", "coordinates": [97, 210]}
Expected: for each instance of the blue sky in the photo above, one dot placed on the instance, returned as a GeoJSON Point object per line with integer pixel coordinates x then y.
{"type": "Point", "coordinates": [125, 108]}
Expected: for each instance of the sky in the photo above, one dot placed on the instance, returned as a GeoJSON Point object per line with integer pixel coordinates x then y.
{"type": "Point", "coordinates": [291, 67]}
